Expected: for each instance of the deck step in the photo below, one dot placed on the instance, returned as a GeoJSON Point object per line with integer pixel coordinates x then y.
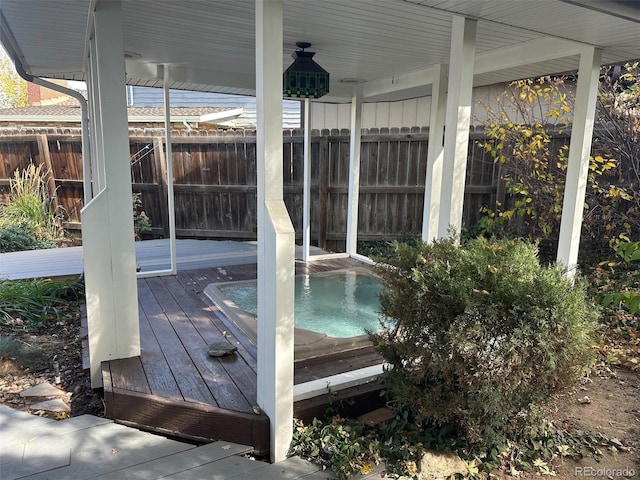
{"type": "Point", "coordinates": [229, 467]}
{"type": "Point", "coordinates": [18, 426]}
{"type": "Point", "coordinates": [92, 447]}
{"type": "Point", "coordinates": [291, 468]}
{"type": "Point", "coordinates": [186, 460]}
{"type": "Point", "coordinates": [98, 450]}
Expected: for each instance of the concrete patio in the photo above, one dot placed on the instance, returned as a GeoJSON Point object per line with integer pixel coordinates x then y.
{"type": "Point", "coordinates": [93, 447]}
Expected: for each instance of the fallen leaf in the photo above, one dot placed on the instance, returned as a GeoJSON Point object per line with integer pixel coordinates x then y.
{"type": "Point", "coordinates": [616, 442]}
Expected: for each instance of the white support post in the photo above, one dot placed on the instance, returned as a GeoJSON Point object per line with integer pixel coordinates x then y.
{"type": "Point", "coordinates": [107, 221]}
{"type": "Point", "coordinates": [306, 191]}
{"type": "Point", "coordinates": [433, 181]}
{"type": "Point", "coordinates": [169, 161]}
{"type": "Point", "coordinates": [458, 117]}
{"type": "Point", "coordinates": [97, 171]}
{"type": "Point", "coordinates": [173, 260]}
{"type": "Point", "coordinates": [579, 150]}
{"type": "Point", "coordinates": [276, 245]}
{"type": "Point", "coordinates": [87, 126]}
{"type": "Point", "coordinates": [354, 172]}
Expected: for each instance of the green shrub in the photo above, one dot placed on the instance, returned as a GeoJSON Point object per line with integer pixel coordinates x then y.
{"type": "Point", "coordinates": [481, 332]}
{"type": "Point", "coordinates": [344, 446]}
{"type": "Point", "coordinates": [17, 238]}
{"type": "Point", "coordinates": [141, 221]}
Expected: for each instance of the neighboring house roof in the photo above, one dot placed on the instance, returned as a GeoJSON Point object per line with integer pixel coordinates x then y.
{"type": "Point", "coordinates": [139, 96]}
{"type": "Point", "coordinates": [67, 113]}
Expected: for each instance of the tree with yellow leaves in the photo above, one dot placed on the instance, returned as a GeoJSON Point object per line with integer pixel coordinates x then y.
{"type": "Point", "coordinates": [527, 136]}
{"type": "Point", "coordinates": [13, 89]}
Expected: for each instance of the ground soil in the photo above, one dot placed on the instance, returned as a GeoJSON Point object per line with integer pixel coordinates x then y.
{"type": "Point", "coordinates": [27, 359]}
{"type": "Point", "coordinates": [608, 402]}
{"type": "Point", "coordinates": [611, 406]}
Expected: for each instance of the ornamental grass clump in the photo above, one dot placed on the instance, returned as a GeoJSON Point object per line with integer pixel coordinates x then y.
{"type": "Point", "coordinates": [29, 207]}
{"type": "Point", "coordinates": [481, 334]}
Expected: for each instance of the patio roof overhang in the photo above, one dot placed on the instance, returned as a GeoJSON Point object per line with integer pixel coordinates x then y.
{"type": "Point", "coordinates": [389, 47]}
{"type": "Point", "coordinates": [373, 49]}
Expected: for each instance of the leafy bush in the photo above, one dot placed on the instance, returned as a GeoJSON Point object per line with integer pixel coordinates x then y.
{"type": "Point", "coordinates": [17, 238]}
{"type": "Point", "coordinates": [481, 333]}
{"type": "Point", "coordinates": [617, 285]}
{"type": "Point", "coordinates": [377, 249]}
{"type": "Point", "coordinates": [141, 221]}
{"type": "Point", "coordinates": [524, 135]}
{"type": "Point", "coordinates": [629, 252]}
{"type": "Point", "coordinates": [31, 303]}
{"type": "Point", "coordinates": [343, 446]}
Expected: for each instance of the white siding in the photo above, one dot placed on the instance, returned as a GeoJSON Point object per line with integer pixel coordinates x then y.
{"type": "Point", "coordinates": [406, 113]}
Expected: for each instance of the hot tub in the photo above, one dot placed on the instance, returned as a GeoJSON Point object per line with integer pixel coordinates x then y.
{"type": "Point", "coordinates": [333, 310]}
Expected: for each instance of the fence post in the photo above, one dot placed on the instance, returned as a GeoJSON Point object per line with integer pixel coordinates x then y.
{"type": "Point", "coordinates": [45, 156]}
{"type": "Point", "coordinates": [162, 184]}
{"type": "Point", "coordinates": [323, 188]}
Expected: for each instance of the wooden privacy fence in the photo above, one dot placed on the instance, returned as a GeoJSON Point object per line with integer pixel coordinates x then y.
{"type": "Point", "coordinates": [60, 156]}
{"type": "Point", "coordinates": [215, 181]}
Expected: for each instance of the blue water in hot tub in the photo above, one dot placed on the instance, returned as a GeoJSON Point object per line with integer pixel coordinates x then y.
{"type": "Point", "coordinates": [342, 304]}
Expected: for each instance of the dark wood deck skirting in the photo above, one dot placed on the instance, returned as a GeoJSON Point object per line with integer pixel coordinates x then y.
{"type": "Point", "coordinates": [176, 389]}
{"type": "Point", "coordinates": [191, 420]}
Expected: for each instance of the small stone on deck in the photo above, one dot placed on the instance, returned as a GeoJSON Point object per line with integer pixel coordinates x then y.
{"type": "Point", "coordinates": [220, 349]}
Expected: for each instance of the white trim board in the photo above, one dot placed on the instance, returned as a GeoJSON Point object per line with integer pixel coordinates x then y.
{"type": "Point", "coordinates": [335, 383]}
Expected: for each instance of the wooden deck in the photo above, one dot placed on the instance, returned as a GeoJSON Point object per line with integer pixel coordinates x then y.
{"type": "Point", "coordinates": [175, 388]}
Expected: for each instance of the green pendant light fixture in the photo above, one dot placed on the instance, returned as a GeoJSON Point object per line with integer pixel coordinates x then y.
{"type": "Point", "coordinates": [305, 78]}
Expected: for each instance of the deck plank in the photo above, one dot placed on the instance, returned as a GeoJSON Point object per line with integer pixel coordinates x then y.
{"type": "Point", "coordinates": [151, 255]}
{"type": "Point", "coordinates": [341, 362]}
{"type": "Point", "coordinates": [178, 462]}
{"type": "Point", "coordinates": [230, 467]}
{"type": "Point", "coordinates": [189, 281]}
{"type": "Point", "coordinates": [241, 372]}
{"type": "Point", "coordinates": [192, 386]}
{"type": "Point", "coordinates": [75, 424]}
{"type": "Point", "coordinates": [159, 376]}
{"type": "Point", "coordinates": [292, 468]}
{"type": "Point", "coordinates": [225, 391]}
{"type": "Point", "coordinates": [127, 374]}
{"type": "Point", "coordinates": [106, 448]}
{"type": "Point", "coordinates": [20, 426]}
{"type": "Point", "coordinates": [37, 458]}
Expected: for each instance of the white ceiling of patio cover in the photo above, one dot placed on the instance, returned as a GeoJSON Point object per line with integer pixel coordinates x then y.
{"type": "Point", "coordinates": [209, 44]}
